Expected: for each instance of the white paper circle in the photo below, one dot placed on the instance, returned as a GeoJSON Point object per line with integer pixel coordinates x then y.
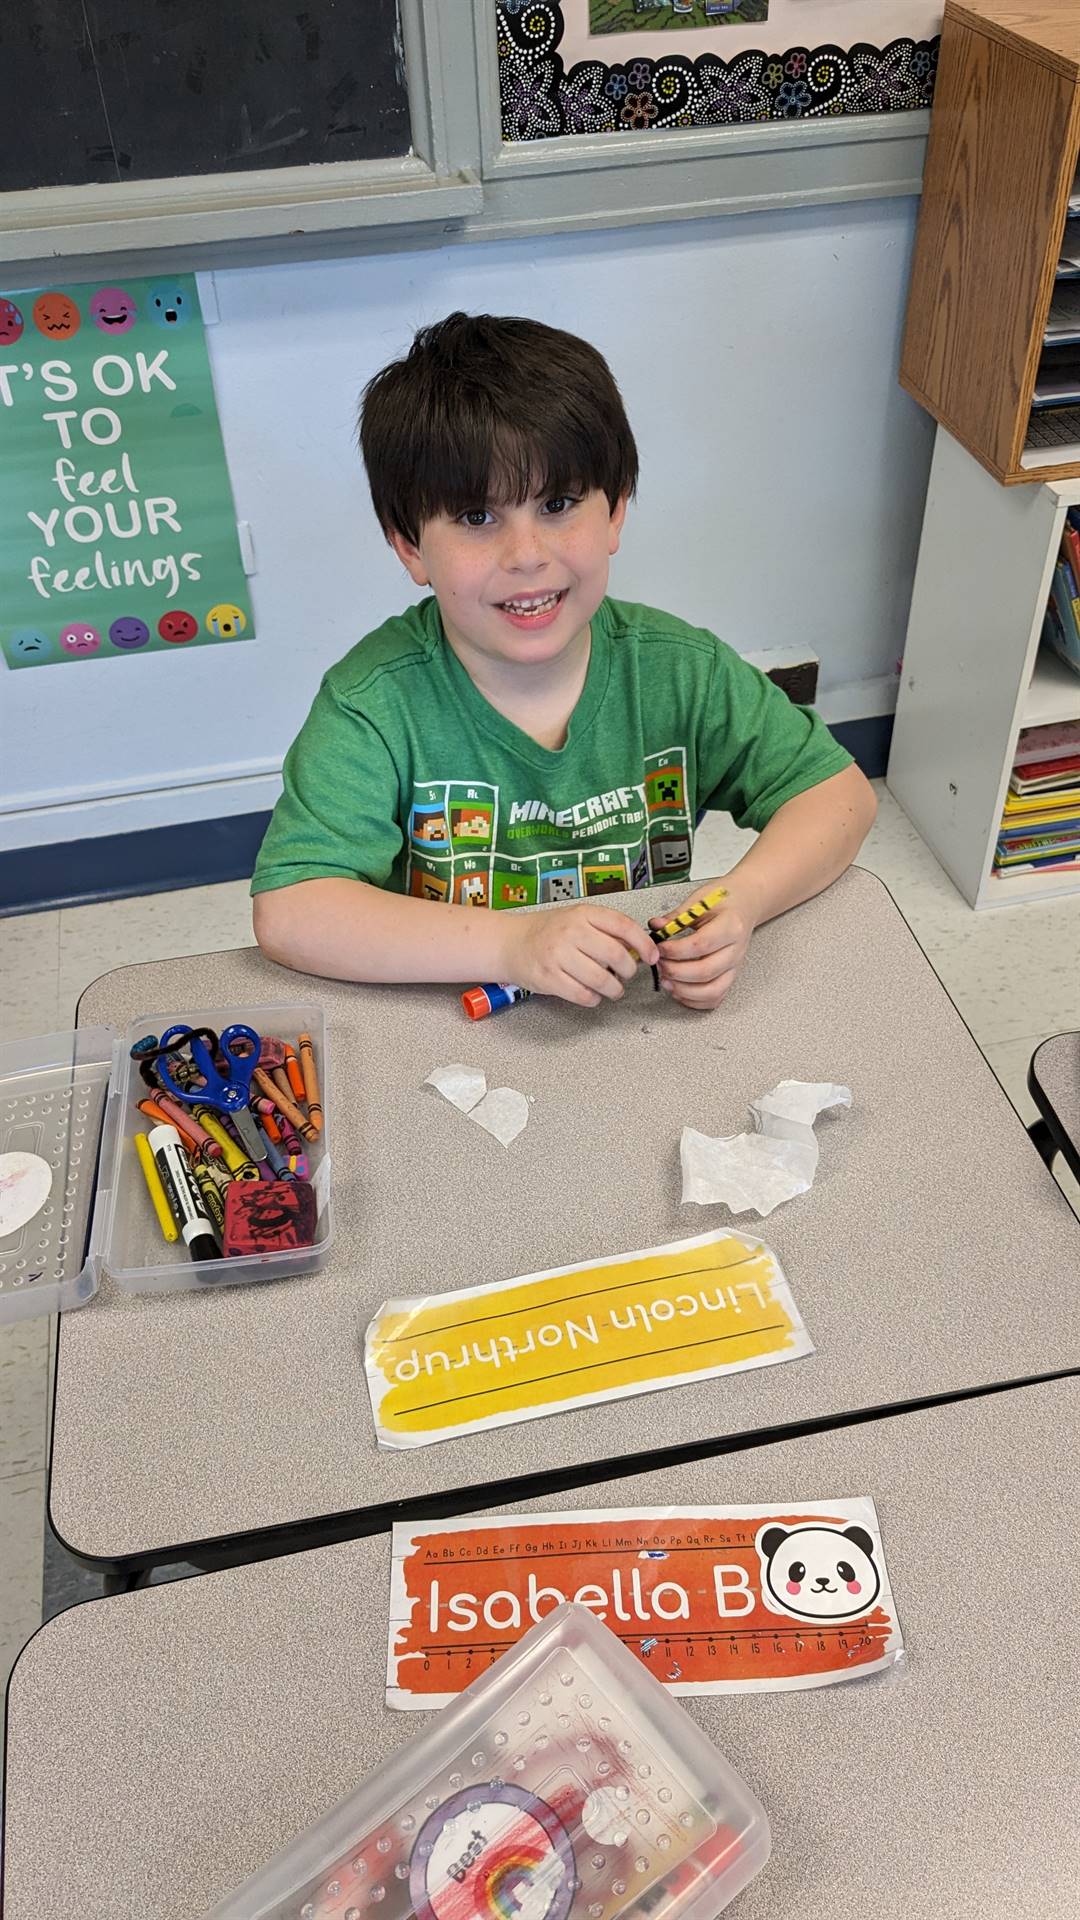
{"type": "Point", "coordinates": [25, 1179]}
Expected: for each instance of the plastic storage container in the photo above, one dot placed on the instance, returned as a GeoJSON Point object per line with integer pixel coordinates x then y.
{"type": "Point", "coordinates": [126, 1241]}
{"type": "Point", "coordinates": [566, 1784]}
{"type": "Point", "coordinates": [70, 1098]}
{"type": "Point", "coordinates": [52, 1101]}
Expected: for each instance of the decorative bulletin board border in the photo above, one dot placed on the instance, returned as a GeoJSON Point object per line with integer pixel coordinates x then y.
{"type": "Point", "coordinates": [540, 99]}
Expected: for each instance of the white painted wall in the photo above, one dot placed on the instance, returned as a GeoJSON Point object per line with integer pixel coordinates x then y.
{"type": "Point", "coordinates": [783, 482]}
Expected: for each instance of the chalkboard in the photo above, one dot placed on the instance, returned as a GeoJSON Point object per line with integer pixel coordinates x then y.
{"type": "Point", "coordinates": [101, 90]}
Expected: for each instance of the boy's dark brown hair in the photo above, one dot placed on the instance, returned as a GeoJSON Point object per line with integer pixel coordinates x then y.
{"type": "Point", "coordinates": [485, 409]}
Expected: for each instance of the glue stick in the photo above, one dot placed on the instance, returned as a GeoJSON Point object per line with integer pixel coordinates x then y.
{"type": "Point", "coordinates": [478, 1002]}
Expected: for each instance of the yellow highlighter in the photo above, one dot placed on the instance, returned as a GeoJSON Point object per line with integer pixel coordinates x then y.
{"type": "Point", "coordinates": [157, 1192]}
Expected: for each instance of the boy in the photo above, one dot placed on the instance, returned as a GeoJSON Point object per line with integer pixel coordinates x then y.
{"type": "Point", "coordinates": [520, 737]}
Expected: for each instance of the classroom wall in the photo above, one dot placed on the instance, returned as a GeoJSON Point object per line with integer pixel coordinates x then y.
{"type": "Point", "coordinates": [783, 482]}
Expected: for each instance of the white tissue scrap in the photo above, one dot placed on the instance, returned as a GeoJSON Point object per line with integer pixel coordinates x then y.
{"type": "Point", "coordinates": [503, 1112]}
{"type": "Point", "coordinates": [789, 1111]}
{"type": "Point", "coordinates": [755, 1172]}
{"type": "Point", "coordinates": [747, 1172]}
{"type": "Point", "coordinates": [462, 1086]}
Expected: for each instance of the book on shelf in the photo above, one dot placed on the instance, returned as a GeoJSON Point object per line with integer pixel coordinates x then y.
{"type": "Point", "coordinates": [1061, 625]}
{"type": "Point", "coordinates": [1018, 815]}
{"type": "Point", "coordinates": [1052, 865]}
{"type": "Point", "coordinates": [1054, 740]}
{"type": "Point", "coordinates": [1045, 776]}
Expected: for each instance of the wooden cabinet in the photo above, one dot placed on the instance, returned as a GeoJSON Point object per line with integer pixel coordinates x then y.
{"type": "Point", "coordinates": [994, 240]}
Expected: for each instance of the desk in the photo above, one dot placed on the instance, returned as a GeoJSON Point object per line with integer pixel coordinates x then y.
{"type": "Point", "coordinates": [1054, 1081]}
{"type": "Point", "coordinates": [162, 1744]}
{"type": "Point", "coordinates": [933, 1255]}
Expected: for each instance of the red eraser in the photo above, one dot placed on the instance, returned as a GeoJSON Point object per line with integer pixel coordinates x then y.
{"type": "Point", "coordinates": [268, 1216]}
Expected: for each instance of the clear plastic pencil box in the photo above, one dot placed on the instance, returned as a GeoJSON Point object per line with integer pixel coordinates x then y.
{"type": "Point", "coordinates": [71, 1099]}
{"type": "Point", "coordinates": [565, 1784]}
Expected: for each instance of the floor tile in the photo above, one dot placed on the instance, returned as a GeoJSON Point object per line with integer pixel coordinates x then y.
{"type": "Point", "coordinates": [29, 972]}
{"type": "Point", "coordinates": [1010, 1060]}
{"type": "Point", "coordinates": [160, 926]}
{"type": "Point", "coordinates": [22, 1529]}
{"type": "Point", "coordinates": [927, 898]}
{"type": "Point", "coordinates": [24, 1350]}
{"type": "Point", "coordinates": [1015, 971]}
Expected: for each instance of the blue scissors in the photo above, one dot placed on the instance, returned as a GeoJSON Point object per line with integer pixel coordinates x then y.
{"type": "Point", "coordinates": [241, 1047]}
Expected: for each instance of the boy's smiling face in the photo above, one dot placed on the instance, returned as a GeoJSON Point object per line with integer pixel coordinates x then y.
{"type": "Point", "coordinates": [517, 585]}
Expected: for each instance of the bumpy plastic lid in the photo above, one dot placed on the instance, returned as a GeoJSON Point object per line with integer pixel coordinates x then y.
{"type": "Point", "coordinates": [53, 1094]}
{"type": "Point", "coordinates": [565, 1784]}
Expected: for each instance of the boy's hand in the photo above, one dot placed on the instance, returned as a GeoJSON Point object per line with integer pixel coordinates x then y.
{"type": "Point", "coordinates": [699, 968]}
{"type": "Point", "coordinates": [584, 953]}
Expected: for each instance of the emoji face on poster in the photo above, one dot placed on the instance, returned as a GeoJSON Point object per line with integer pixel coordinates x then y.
{"type": "Point", "coordinates": [176, 626]}
{"type": "Point", "coordinates": [11, 323]}
{"type": "Point", "coordinates": [56, 316]}
{"type": "Point", "coordinates": [818, 1572]}
{"type": "Point", "coordinates": [113, 310]}
{"type": "Point", "coordinates": [80, 639]}
{"type": "Point", "coordinates": [167, 305]}
{"type": "Point", "coordinates": [226, 620]}
{"type": "Point", "coordinates": [29, 643]}
{"type": "Point", "coordinates": [127, 633]}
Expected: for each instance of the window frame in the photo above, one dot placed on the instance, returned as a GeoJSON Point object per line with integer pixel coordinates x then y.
{"type": "Point", "coordinates": [461, 180]}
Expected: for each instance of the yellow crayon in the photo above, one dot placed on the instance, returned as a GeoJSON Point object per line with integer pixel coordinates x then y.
{"type": "Point", "coordinates": [683, 921]}
{"type": "Point", "coordinates": [211, 1195]}
{"type": "Point", "coordinates": [237, 1161]}
{"type": "Point", "coordinates": [157, 1192]}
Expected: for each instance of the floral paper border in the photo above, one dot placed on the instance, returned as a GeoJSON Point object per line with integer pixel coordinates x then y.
{"type": "Point", "coordinates": [540, 99]}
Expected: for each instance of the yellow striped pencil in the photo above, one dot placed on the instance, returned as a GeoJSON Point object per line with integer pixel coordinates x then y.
{"type": "Point", "coordinates": [689, 916]}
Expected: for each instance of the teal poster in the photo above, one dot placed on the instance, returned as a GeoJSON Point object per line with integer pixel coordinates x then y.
{"type": "Point", "coordinates": [117, 527]}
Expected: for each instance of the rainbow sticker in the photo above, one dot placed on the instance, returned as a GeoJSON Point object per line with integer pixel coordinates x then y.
{"type": "Point", "coordinates": [492, 1852]}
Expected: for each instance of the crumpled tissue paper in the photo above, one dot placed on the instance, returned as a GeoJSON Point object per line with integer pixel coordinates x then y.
{"type": "Point", "coordinates": [755, 1172]}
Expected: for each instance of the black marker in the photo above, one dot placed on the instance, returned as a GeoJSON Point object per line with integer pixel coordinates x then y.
{"type": "Point", "coordinates": [183, 1195]}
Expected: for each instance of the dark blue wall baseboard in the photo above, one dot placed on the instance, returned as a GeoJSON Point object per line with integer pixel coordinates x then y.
{"type": "Point", "coordinates": [121, 864]}
{"type": "Point", "coordinates": [867, 741]}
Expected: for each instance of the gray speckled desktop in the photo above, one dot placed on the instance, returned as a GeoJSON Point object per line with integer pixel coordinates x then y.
{"type": "Point", "coordinates": [163, 1744]}
{"type": "Point", "coordinates": [934, 1252]}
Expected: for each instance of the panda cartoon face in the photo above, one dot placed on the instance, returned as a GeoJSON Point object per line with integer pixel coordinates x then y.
{"type": "Point", "coordinates": [818, 1572]}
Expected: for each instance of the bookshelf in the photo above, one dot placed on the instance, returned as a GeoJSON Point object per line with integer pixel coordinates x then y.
{"type": "Point", "coordinates": [973, 673]}
{"type": "Point", "coordinates": [992, 337]}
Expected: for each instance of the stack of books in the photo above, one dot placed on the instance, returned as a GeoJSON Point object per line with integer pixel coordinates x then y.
{"type": "Point", "coordinates": [1061, 627]}
{"type": "Point", "coordinates": [1040, 827]}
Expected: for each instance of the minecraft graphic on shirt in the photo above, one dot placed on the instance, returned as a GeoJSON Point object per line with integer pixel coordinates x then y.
{"type": "Point", "coordinates": [472, 843]}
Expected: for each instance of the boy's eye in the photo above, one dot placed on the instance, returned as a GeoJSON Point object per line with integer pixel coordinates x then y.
{"type": "Point", "coordinates": [475, 517]}
{"type": "Point", "coordinates": [559, 503]}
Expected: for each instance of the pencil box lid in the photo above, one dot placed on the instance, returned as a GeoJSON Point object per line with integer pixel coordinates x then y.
{"type": "Point", "coordinates": [564, 1784]}
{"type": "Point", "coordinates": [54, 1115]}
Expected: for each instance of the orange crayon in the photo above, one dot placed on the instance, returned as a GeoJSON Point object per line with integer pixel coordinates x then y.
{"type": "Point", "coordinates": [284, 1106]}
{"type": "Point", "coordinates": [311, 1081]}
{"type": "Point", "coordinates": [296, 1078]}
{"type": "Point", "coordinates": [163, 1119]}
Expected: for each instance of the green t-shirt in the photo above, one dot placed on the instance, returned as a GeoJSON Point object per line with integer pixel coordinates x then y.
{"type": "Point", "coordinates": [403, 775]}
